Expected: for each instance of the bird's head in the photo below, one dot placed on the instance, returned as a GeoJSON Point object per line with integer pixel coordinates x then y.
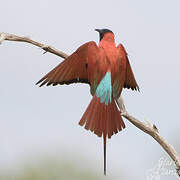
{"type": "Point", "coordinates": [102, 32]}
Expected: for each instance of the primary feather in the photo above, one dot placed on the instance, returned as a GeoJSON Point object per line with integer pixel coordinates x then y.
{"type": "Point", "coordinates": [107, 70]}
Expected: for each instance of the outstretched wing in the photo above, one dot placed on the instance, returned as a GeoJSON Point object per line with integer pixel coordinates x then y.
{"type": "Point", "coordinates": [74, 68]}
{"type": "Point", "coordinates": [130, 81]}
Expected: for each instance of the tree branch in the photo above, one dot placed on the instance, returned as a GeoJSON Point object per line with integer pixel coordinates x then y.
{"type": "Point", "coordinates": [46, 48]}
{"type": "Point", "coordinates": [146, 127]}
{"type": "Point", "coordinates": [152, 130]}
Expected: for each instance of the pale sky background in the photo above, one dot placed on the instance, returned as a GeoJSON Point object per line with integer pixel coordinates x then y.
{"type": "Point", "coordinates": [44, 121]}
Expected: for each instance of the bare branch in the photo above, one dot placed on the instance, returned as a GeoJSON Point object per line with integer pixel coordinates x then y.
{"type": "Point", "coordinates": [146, 127]}
{"type": "Point", "coordinates": [46, 48]}
{"type": "Point", "coordinates": [152, 131]}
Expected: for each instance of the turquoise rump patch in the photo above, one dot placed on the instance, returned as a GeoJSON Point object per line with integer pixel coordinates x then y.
{"type": "Point", "coordinates": [104, 89]}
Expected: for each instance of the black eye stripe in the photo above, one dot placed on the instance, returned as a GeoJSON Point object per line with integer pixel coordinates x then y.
{"type": "Point", "coordinates": [102, 32]}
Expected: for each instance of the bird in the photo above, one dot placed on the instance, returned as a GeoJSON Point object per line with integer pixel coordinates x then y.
{"type": "Point", "coordinates": [107, 70]}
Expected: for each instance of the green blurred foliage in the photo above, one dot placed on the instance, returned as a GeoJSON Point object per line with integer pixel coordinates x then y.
{"type": "Point", "coordinates": [51, 170]}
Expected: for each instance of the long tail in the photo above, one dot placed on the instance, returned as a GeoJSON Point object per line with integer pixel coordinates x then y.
{"type": "Point", "coordinates": [104, 140]}
{"type": "Point", "coordinates": [102, 119]}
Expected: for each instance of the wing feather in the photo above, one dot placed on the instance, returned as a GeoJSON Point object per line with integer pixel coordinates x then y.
{"type": "Point", "coordinates": [130, 81]}
{"type": "Point", "coordinates": [74, 68]}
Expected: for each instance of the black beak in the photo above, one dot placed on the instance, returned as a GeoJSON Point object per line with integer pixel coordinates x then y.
{"type": "Point", "coordinates": [98, 30]}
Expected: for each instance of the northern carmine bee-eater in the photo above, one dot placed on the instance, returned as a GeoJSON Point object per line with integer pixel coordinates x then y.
{"type": "Point", "coordinates": [107, 70]}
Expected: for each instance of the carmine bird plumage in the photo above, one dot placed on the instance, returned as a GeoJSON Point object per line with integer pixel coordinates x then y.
{"type": "Point", "coordinates": [107, 70]}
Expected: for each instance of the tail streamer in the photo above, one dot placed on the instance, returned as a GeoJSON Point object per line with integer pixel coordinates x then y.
{"type": "Point", "coordinates": [104, 139]}
{"type": "Point", "coordinates": [102, 119]}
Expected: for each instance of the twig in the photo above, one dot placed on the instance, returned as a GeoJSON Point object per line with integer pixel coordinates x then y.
{"type": "Point", "coordinates": [146, 127]}
{"type": "Point", "coordinates": [46, 48]}
{"type": "Point", "coordinates": [152, 130]}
